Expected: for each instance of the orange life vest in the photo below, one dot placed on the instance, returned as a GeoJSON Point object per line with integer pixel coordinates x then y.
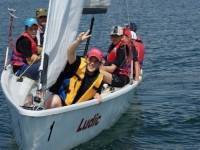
{"type": "Point", "coordinates": [75, 84]}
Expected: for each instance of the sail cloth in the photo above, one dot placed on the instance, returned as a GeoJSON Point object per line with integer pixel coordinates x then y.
{"type": "Point", "coordinates": [62, 25]}
{"type": "Point", "coordinates": [96, 6]}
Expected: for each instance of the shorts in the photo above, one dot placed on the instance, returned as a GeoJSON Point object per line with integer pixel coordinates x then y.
{"type": "Point", "coordinates": [119, 80]}
{"type": "Point", "coordinates": [30, 71]}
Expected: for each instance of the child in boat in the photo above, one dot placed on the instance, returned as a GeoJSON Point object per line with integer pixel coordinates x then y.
{"type": "Point", "coordinates": [117, 67]}
{"type": "Point", "coordinates": [41, 16]}
{"type": "Point", "coordinates": [25, 57]}
{"type": "Point", "coordinates": [80, 80]}
{"type": "Point", "coordinates": [138, 43]}
{"type": "Point", "coordinates": [127, 36]}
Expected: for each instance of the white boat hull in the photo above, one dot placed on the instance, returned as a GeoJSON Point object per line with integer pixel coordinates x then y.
{"type": "Point", "coordinates": [66, 127]}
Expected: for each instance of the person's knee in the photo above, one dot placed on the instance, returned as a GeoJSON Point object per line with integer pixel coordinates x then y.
{"type": "Point", "coordinates": [53, 102]}
{"type": "Point", "coordinates": [56, 101]}
{"type": "Point", "coordinates": [119, 81]}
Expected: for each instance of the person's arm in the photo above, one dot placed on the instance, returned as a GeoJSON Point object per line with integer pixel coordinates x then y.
{"type": "Point", "coordinates": [98, 97]}
{"type": "Point", "coordinates": [137, 70]}
{"type": "Point", "coordinates": [109, 69]}
{"type": "Point", "coordinates": [136, 64]}
{"type": "Point", "coordinates": [34, 58]}
{"type": "Point", "coordinates": [24, 46]}
{"type": "Point", "coordinates": [107, 72]}
{"type": "Point", "coordinates": [98, 93]}
{"type": "Point", "coordinates": [71, 52]}
{"type": "Point", "coordinates": [39, 50]}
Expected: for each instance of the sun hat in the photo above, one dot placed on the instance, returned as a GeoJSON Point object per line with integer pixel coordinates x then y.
{"type": "Point", "coordinates": [41, 12]}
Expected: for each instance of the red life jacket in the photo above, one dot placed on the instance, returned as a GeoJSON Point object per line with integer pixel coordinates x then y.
{"type": "Point", "coordinates": [140, 49]}
{"type": "Point", "coordinates": [17, 58]}
{"type": "Point", "coordinates": [124, 69]}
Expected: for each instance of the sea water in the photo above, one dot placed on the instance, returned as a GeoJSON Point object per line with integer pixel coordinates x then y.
{"type": "Point", "coordinates": [165, 111]}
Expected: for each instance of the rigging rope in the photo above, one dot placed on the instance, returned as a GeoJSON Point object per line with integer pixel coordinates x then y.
{"type": "Point", "coordinates": [127, 11]}
{"type": "Point", "coordinates": [19, 77]}
{"type": "Point", "coordinates": [12, 17]}
{"type": "Point", "coordinates": [10, 39]}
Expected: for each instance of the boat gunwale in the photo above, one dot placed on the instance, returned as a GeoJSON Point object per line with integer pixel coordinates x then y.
{"type": "Point", "coordinates": [54, 111]}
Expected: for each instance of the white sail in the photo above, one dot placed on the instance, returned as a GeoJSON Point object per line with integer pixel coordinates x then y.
{"type": "Point", "coordinates": [62, 25]}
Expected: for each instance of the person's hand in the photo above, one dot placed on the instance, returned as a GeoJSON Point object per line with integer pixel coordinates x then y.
{"type": "Point", "coordinates": [39, 50]}
{"type": "Point", "coordinates": [98, 97]}
{"type": "Point", "coordinates": [83, 36]}
{"type": "Point", "coordinates": [34, 58]}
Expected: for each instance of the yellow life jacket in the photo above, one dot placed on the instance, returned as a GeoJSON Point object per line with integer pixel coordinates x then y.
{"type": "Point", "coordinates": [75, 84]}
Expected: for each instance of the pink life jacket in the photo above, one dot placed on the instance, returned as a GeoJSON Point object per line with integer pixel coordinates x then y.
{"type": "Point", "coordinates": [17, 58]}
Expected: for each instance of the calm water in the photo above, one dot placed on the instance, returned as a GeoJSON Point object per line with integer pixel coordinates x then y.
{"type": "Point", "coordinates": [165, 113]}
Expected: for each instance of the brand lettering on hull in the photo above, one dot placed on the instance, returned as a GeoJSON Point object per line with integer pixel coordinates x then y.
{"type": "Point", "coordinates": [88, 123]}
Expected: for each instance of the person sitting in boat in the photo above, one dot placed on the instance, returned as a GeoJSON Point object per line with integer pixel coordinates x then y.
{"type": "Point", "coordinates": [25, 57]}
{"type": "Point", "coordinates": [117, 67]}
{"type": "Point", "coordinates": [80, 80]}
{"type": "Point", "coordinates": [127, 36]}
{"type": "Point", "coordinates": [133, 28]}
{"type": "Point", "coordinates": [41, 15]}
{"type": "Point", "coordinates": [137, 41]}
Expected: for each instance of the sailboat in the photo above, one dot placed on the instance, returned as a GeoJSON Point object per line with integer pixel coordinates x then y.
{"type": "Point", "coordinates": [64, 127]}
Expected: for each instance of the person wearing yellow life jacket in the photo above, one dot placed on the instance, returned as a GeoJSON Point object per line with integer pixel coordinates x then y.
{"type": "Point", "coordinates": [80, 80]}
{"type": "Point", "coordinates": [117, 67]}
{"type": "Point", "coordinates": [25, 53]}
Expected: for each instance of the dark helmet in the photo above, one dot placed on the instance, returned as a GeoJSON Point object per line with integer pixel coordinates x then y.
{"type": "Point", "coordinates": [133, 26]}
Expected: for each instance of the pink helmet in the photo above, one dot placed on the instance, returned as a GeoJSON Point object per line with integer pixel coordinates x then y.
{"type": "Point", "coordinates": [95, 52]}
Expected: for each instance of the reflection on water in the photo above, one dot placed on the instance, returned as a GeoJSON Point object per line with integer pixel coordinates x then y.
{"type": "Point", "coordinates": [117, 137]}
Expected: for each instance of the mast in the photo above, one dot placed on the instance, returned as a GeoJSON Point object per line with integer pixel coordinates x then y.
{"type": "Point", "coordinates": [88, 40]}
{"type": "Point", "coordinates": [10, 39]}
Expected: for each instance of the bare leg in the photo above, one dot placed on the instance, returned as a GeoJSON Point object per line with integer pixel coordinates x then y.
{"type": "Point", "coordinates": [137, 71]}
{"type": "Point", "coordinates": [28, 101]}
{"type": "Point", "coordinates": [53, 101]}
